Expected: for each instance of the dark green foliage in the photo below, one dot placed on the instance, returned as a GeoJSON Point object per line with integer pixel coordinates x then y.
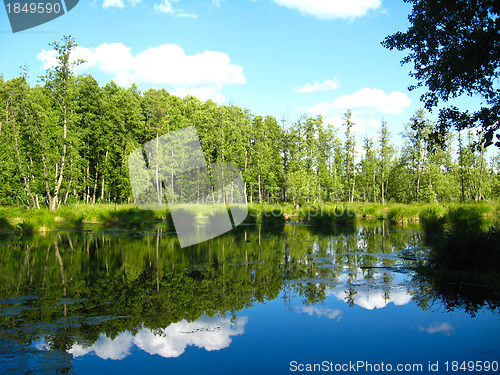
{"type": "Point", "coordinates": [131, 218]}
{"type": "Point", "coordinates": [273, 218]}
{"type": "Point", "coordinates": [5, 225]}
{"type": "Point", "coordinates": [453, 45]}
{"type": "Point", "coordinates": [320, 216]}
{"type": "Point", "coordinates": [465, 241]}
{"type": "Point", "coordinates": [26, 228]}
{"type": "Point", "coordinates": [433, 220]}
{"type": "Point", "coordinates": [344, 216]}
{"type": "Point", "coordinates": [252, 215]}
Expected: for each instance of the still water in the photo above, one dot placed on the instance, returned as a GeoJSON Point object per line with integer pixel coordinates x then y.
{"type": "Point", "coordinates": [252, 301]}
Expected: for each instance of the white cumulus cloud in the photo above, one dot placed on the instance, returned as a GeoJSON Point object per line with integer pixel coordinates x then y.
{"type": "Point", "coordinates": [331, 9]}
{"type": "Point", "coordinates": [168, 66]}
{"type": "Point", "coordinates": [118, 3]}
{"type": "Point", "coordinates": [316, 86]}
{"type": "Point", "coordinates": [48, 58]}
{"type": "Point", "coordinates": [366, 100]}
{"type": "Point", "coordinates": [113, 3]}
{"type": "Point", "coordinates": [164, 7]}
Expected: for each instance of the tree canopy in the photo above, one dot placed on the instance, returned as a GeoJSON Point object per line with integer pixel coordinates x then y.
{"type": "Point", "coordinates": [455, 49]}
{"type": "Point", "coordinates": [68, 139]}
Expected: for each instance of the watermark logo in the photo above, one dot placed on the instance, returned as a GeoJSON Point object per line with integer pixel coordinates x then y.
{"type": "Point", "coordinates": [25, 14]}
{"type": "Point", "coordinates": [204, 200]}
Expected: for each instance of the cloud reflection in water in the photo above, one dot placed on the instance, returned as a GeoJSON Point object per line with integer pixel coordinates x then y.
{"type": "Point", "coordinates": [207, 333]}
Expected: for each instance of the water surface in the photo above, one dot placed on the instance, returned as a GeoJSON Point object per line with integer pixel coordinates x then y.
{"type": "Point", "coordinates": [251, 301]}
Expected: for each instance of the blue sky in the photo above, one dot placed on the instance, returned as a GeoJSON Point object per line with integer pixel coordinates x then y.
{"type": "Point", "coordinates": [276, 57]}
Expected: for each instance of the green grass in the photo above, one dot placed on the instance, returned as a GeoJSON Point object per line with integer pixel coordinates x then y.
{"type": "Point", "coordinates": [43, 220]}
{"type": "Point", "coordinates": [322, 214]}
{"type": "Point", "coordinates": [372, 211]}
{"type": "Point", "coordinates": [432, 218]}
{"type": "Point", "coordinates": [303, 214]}
{"type": "Point", "coordinates": [401, 214]}
{"type": "Point", "coordinates": [76, 215]}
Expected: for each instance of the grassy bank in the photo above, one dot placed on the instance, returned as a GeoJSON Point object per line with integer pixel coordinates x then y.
{"type": "Point", "coordinates": [431, 216]}
{"type": "Point", "coordinates": [43, 220]}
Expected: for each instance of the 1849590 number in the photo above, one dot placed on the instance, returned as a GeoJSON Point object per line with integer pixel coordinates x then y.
{"type": "Point", "coordinates": [35, 7]}
{"type": "Point", "coordinates": [475, 366]}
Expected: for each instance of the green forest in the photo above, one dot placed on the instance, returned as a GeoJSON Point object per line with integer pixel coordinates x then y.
{"type": "Point", "coordinates": [67, 139]}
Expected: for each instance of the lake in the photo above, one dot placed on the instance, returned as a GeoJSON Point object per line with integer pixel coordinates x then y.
{"type": "Point", "coordinates": [256, 300]}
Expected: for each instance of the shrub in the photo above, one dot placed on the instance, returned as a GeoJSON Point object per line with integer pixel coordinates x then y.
{"type": "Point", "coordinates": [43, 219]}
{"type": "Point", "coordinates": [26, 228]}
